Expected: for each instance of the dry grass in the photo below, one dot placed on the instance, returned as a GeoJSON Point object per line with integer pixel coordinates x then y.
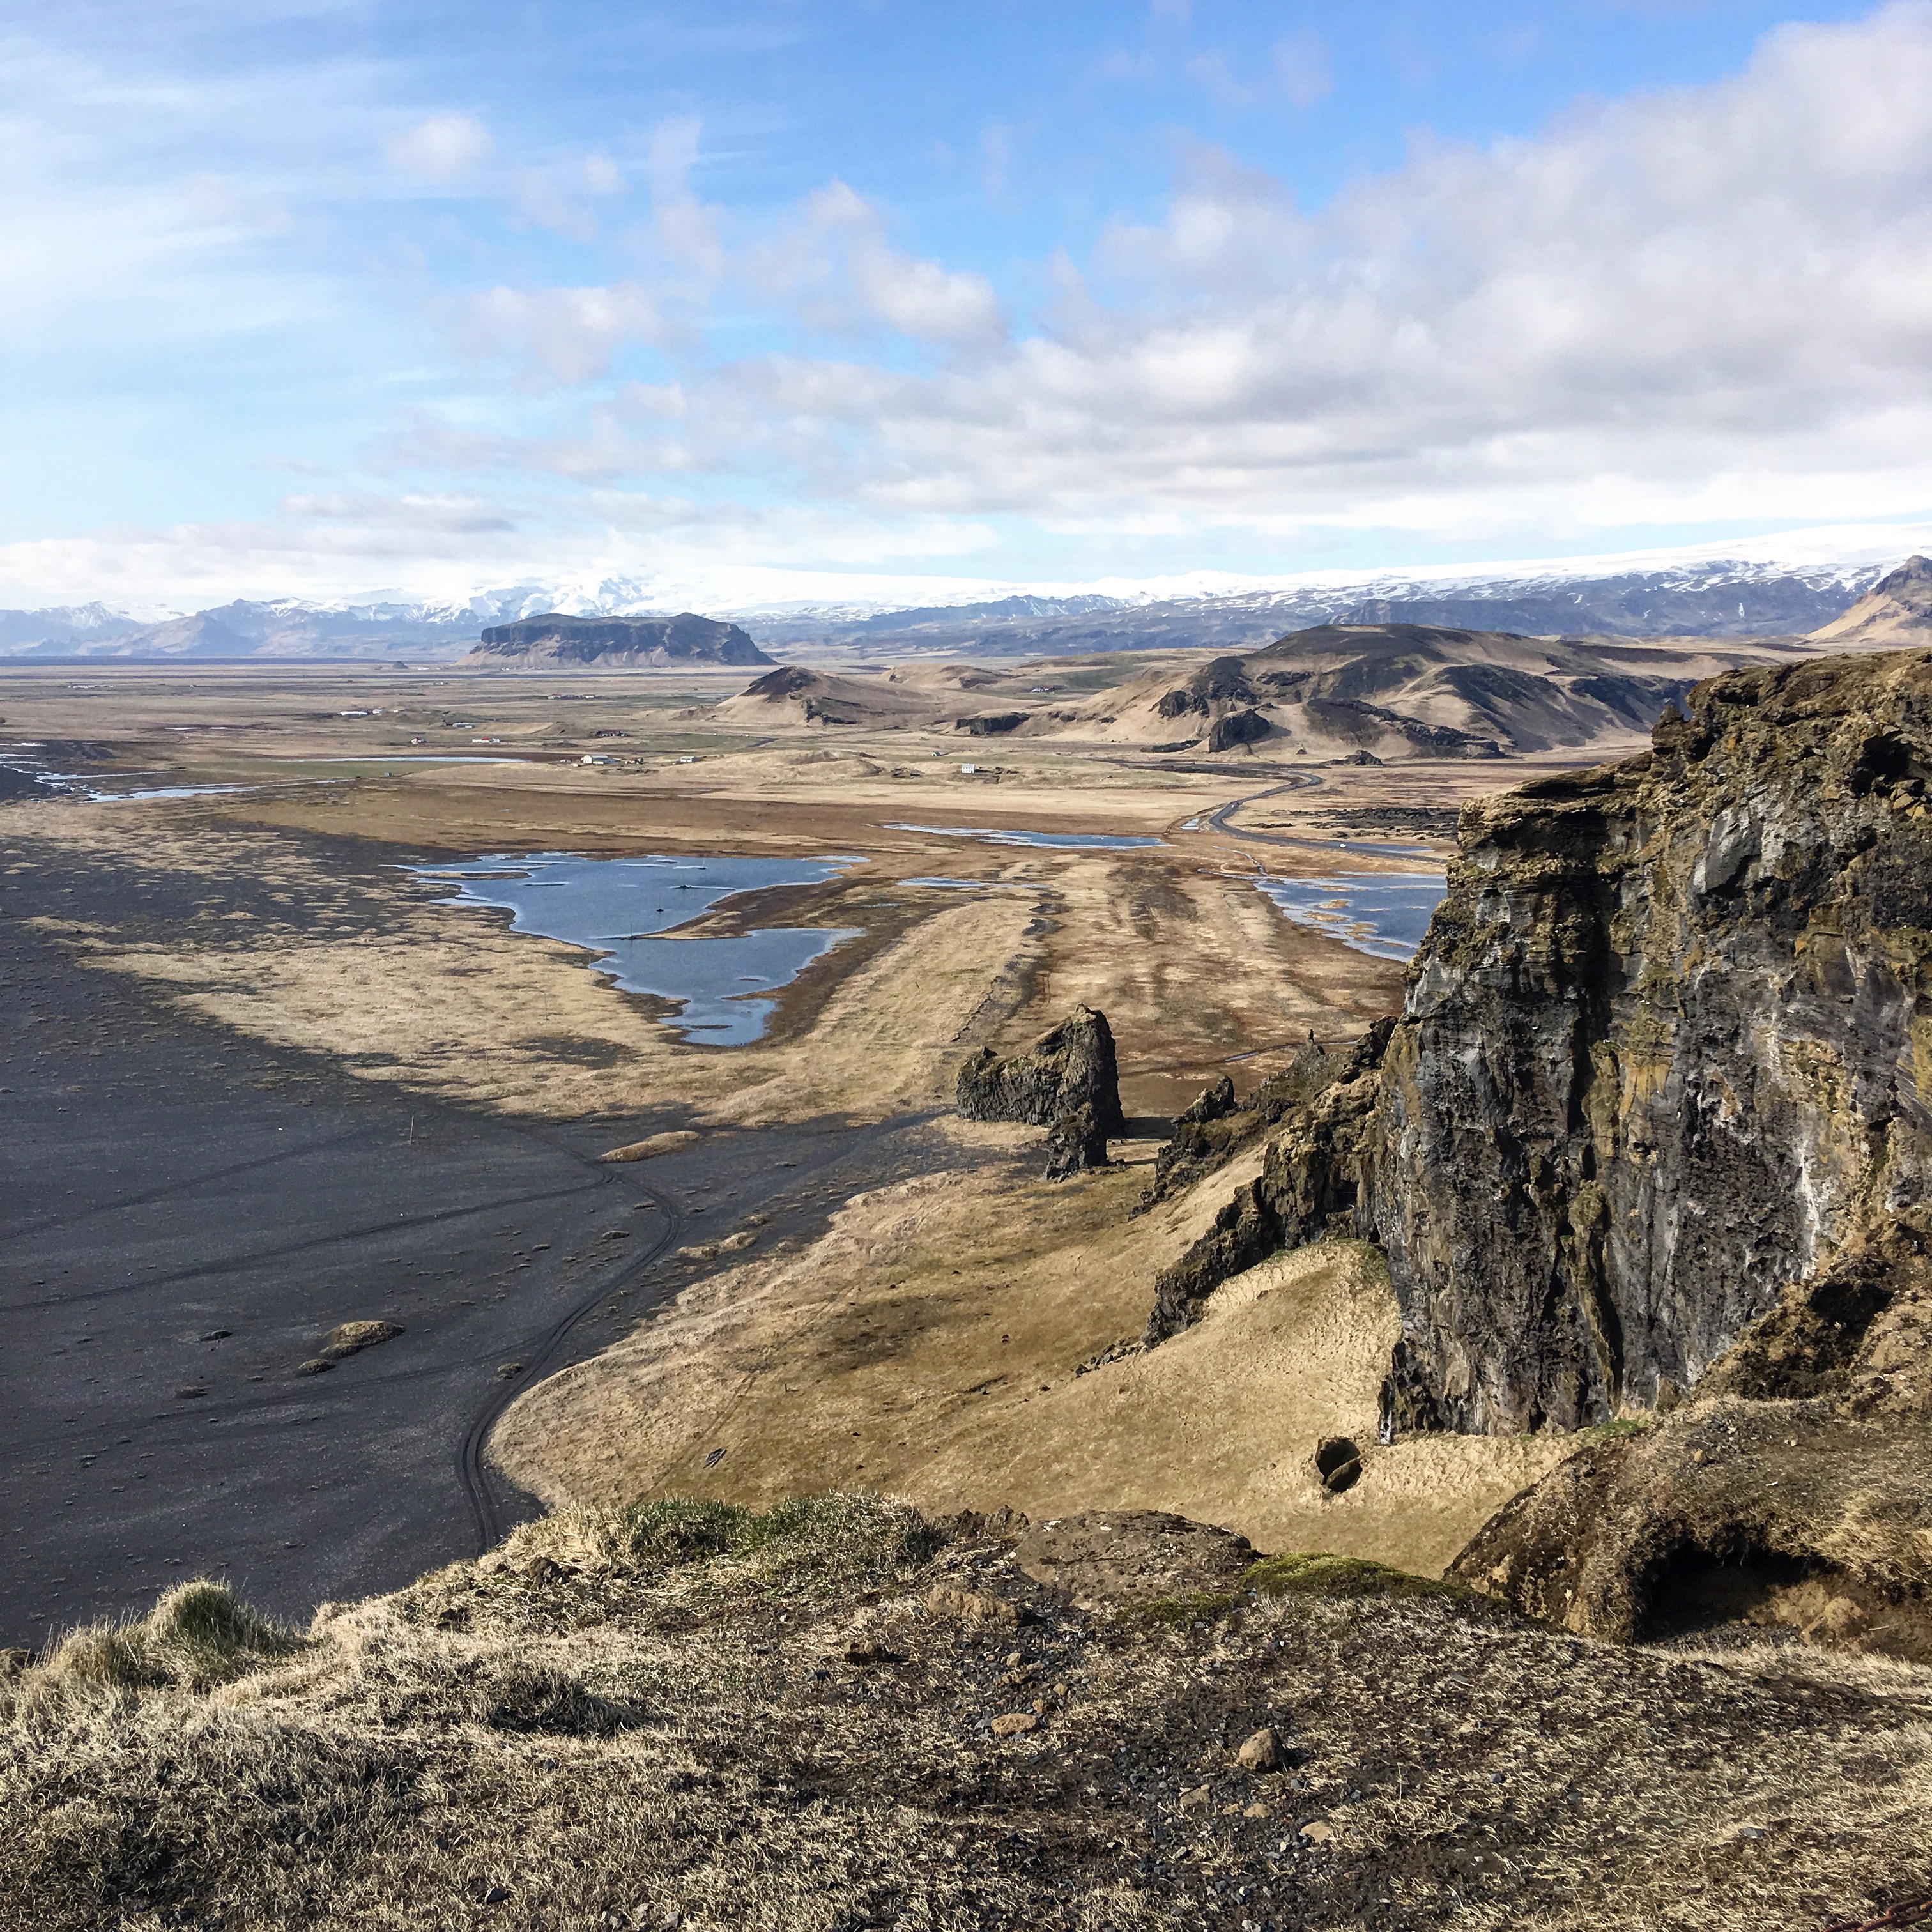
{"type": "Point", "coordinates": [928, 1342]}
{"type": "Point", "coordinates": [357, 963]}
{"type": "Point", "coordinates": [648, 1717]}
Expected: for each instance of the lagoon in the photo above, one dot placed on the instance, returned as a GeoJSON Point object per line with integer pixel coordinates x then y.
{"type": "Point", "coordinates": [627, 910]}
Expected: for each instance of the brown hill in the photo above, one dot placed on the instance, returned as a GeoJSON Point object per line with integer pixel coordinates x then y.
{"type": "Point", "coordinates": [1896, 610]}
{"type": "Point", "coordinates": [1400, 691]}
{"type": "Point", "coordinates": [794, 695]}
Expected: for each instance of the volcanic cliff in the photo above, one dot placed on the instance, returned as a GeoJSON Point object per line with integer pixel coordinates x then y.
{"type": "Point", "coordinates": [1664, 1058]}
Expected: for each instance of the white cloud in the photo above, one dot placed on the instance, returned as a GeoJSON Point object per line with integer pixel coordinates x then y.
{"type": "Point", "coordinates": [559, 196]}
{"type": "Point", "coordinates": [1703, 303]}
{"type": "Point", "coordinates": [998, 144]}
{"type": "Point", "coordinates": [440, 147]}
{"type": "Point", "coordinates": [467, 516]}
{"type": "Point", "coordinates": [1301, 67]}
{"type": "Point", "coordinates": [223, 203]}
{"type": "Point", "coordinates": [686, 229]}
{"type": "Point", "coordinates": [572, 335]}
{"type": "Point", "coordinates": [837, 261]}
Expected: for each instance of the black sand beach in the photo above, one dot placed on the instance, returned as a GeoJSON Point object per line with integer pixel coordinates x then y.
{"type": "Point", "coordinates": [186, 1215]}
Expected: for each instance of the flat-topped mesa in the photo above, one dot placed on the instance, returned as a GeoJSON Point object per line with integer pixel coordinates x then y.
{"type": "Point", "coordinates": [1069, 1083]}
{"type": "Point", "coordinates": [617, 642]}
{"type": "Point", "coordinates": [1665, 1054]}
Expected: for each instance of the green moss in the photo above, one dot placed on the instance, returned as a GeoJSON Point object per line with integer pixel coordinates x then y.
{"type": "Point", "coordinates": [1321, 1575]}
{"type": "Point", "coordinates": [1194, 1606]}
{"type": "Point", "coordinates": [1619, 1428]}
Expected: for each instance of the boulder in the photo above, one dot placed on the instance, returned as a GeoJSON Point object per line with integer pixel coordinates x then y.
{"type": "Point", "coordinates": [349, 1338]}
{"type": "Point", "coordinates": [1238, 727]}
{"type": "Point", "coordinates": [1103, 1556]}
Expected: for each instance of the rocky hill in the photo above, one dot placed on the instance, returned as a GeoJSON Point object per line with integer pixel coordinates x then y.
{"type": "Point", "coordinates": [1395, 690]}
{"type": "Point", "coordinates": [796, 696]}
{"type": "Point", "coordinates": [533, 644]}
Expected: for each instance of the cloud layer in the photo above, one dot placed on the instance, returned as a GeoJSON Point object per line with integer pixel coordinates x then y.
{"type": "Point", "coordinates": [1702, 306]}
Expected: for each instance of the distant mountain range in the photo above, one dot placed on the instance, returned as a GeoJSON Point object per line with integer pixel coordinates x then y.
{"type": "Point", "coordinates": [1714, 597]}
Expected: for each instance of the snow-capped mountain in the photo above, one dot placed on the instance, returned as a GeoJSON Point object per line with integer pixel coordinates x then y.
{"type": "Point", "coordinates": [1790, 585]}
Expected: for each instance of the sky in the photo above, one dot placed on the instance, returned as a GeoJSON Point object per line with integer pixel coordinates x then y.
{"type": "Point", "coordinates": [324, 299]}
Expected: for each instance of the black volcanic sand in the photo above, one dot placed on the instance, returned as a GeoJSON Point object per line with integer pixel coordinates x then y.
{"type": "Point", "coordinates": [186, 1215]}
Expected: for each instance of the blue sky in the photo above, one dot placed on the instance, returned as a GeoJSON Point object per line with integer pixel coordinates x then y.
{"type": "Point", "coordinates": [736, 300]}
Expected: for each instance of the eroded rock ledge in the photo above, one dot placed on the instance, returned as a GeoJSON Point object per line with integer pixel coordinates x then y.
{"type": "Point", "coordinates": [1664, 1058]}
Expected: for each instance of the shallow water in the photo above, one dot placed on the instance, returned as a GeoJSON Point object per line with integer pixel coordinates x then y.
{"type": "Point", "coordinates": [1384, 914]}
{"type": "Point", "coordinates": [624, 908]}
{"type": "Point", "coordinates": [1057, 841]}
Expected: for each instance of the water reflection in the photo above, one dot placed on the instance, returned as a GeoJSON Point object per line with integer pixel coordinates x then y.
{"type": "Point", "coordinates": [1384, 914]}
{"type": "Point", "coordinates": [1054, 841]}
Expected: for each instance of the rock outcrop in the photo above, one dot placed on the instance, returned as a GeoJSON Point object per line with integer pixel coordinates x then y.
{"type": "Point", "coordinates": [1319, 1109]}
{"type": "Point", "coordinates": [1666, 1055]}
{"type": "Point", "coordinates": [554, 639]}
{"type": "Point", "coordinates": [1068, 1084]}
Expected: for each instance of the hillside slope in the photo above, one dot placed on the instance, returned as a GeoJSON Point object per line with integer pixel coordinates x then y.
{"type": "Point", "coordinates": [1398, 690]}
{"type": "Point", "coordinates": [1896, 610]}
{"type": "Point", "coordinates": [838, 1714]}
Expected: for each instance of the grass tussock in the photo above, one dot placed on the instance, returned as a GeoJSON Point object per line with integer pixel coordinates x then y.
{"type": "Point", "coordinates": [835, 1542]}
{"type": "Point", "coordinates": [197, 1636]}
{"type": "Point", "coordinates": [692, 1715]}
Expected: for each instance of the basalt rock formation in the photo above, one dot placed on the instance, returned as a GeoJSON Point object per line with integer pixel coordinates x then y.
{"type": "Point", "coordinates": [553, 639]}
{"type": "Point", "coordinates": [1665, 1058]}
{"type": "Point", "coordinates": [1238, 727]}
{"type": "Point", "coordinates": [1319, 1109]}
{"type": "Point", "coordinates": [1069, 1083]}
